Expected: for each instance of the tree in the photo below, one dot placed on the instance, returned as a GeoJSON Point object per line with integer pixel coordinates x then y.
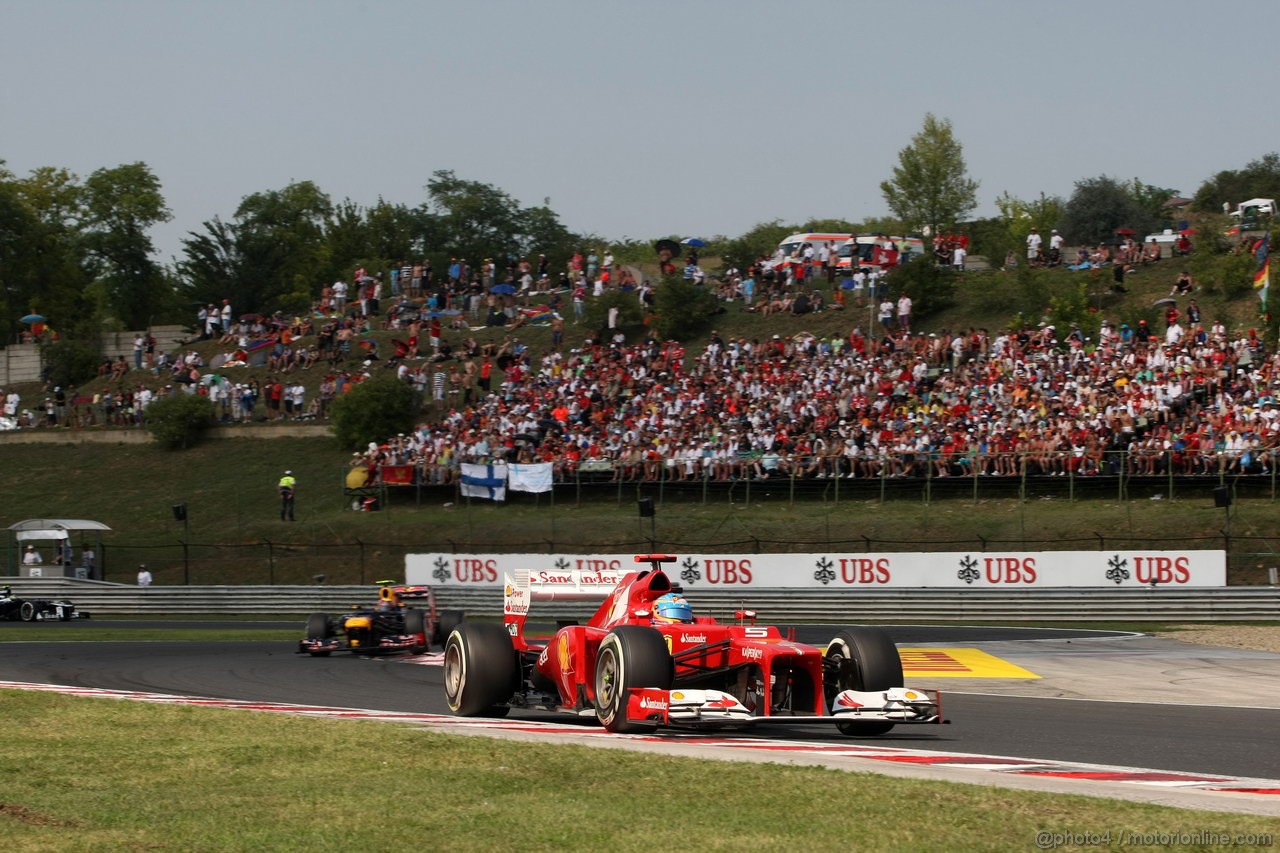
{"type": "Point", "coordinates": [472, 220]}
{"type": "Point", "coordinates": [1019, 217]}
{"type": "Point", "coordinates": [120, 205]}
{"type": "Point", "coordinates": [288, 226]}
{"type": "Point", "coordinates": [760, 241]}
{"type": "Point", "coordinates": [273, 255]}
{"type": "Point", "coordinates": [54, 277]}
{"type": "Point", "coordinates": [374, 410]}
{"type": "Point", "coordinates": [930, 189]}
{"type": "Point", "coordinates": [177, 421]}
{"type": "Point", "coordinates": [682, 308]}
{"type": "Point", "coordinates": [1259, 179]}
{"type": "Point", "coordinates": [228, 261]}
{"type": "Point", "coordinates": [1099, 206]}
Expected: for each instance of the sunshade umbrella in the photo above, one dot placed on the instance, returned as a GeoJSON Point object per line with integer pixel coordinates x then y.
{"type": "Point", "coordinates": [667, 245]}
{"type": "Point", "coordinates": [33, 318]}
{"type": "Point", "coordinates": [1126, 232]}
{"type": "Point", "coordinates": [1160, 303]}
{"type": "Point", "coordinates": [1187, 232]}
{"type": "Point", "coordinates": [693, 241]}
{"type": "Point", "coordinates": [507, 289]}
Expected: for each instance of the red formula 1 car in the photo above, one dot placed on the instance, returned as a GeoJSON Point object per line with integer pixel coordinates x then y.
{"type": "Point", "coordinates": [394, 624]}
{"type": "Point", "coordinates": [643, 661]}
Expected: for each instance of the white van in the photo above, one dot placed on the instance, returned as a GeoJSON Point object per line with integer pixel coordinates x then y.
{"type": "Point", "coordinates": [791, 250]}
{"type": "Point", "coordinates": [877, 251]}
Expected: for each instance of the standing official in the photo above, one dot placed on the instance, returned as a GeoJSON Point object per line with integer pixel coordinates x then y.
{"type": "Point", "coordinates": [288, 485]}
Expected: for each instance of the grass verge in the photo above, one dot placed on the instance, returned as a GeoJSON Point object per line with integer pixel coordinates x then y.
{"type": "Point", "coordinates": [119, 775]}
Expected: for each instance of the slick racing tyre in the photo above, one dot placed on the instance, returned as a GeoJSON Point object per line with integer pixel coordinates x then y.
{"type": "Point", "coordinates": [480, 670]}
{"type": "Point", "coordinates": [866, 660]}
{"type": "Point", "coordinates": [27, 612]}
{"type": "Point", "coordinates": [448, 620]}
{"type": "Point", "coordinates": [415, 622]}
{"type": "Point", "coordinates": [629, 656]}
{"type": "Point", "coordinates": [319, 628]}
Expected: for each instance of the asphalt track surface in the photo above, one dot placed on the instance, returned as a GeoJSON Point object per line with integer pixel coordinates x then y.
{"type": "Point", "coordinates": [1197, 739]}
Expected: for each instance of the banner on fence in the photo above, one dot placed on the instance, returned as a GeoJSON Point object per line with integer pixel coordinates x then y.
{"type": "Point", "coordinates": [957, 569]}
{"type": "Point", "coordinates": [525, 477]}
{"type": "Point", "coordinates": [484, 481]}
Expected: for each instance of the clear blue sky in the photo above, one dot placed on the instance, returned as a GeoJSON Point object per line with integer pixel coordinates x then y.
{"type": "Point", "coordinates": [634, 118]}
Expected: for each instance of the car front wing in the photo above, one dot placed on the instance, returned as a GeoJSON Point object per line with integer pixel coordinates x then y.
{"type": "Point", "coordinates": [716, 709]}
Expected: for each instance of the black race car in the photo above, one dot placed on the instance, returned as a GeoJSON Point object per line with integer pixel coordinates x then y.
{"type": "Point", "coordinates": [391, 625]}
{"type": "Point", "coordinates": [15, 609]}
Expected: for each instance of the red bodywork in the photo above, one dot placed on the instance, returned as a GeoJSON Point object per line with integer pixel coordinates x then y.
{"type": "Point", "coordinates": [755, 663]}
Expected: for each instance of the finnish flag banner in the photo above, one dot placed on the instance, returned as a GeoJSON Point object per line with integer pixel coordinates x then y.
{"type": "Point", "coordinates": [484, 481]}
{"type": "Point", "coordinates": [530, 477]}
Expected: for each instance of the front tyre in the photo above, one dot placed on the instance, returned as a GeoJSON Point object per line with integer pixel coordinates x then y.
{"type": "Point", "coordinates": [319, 627]}
{"type": "Point", "coordinates": [480, 670]}
{"type": "Point", "coordinates": [415, 623]}
{"type": "Point", "coordinates": [864, 659]}
{"type": "Point", "coordinates": [27, 612]}
{"type": "Point", "coordinates": [629, 657]}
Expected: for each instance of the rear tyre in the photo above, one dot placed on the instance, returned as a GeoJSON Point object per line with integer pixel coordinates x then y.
{"type": "Point", "coordinates": [630, 656]}
{"type": "Point", "coordinates": [319, 628]}
{"type": "Point", "coordinates": [27, 612]}
{"type": "Point", "coordinates": [480, 670]}
{"type": "Point", "coordinates": [447, 621]}
{"type": "Point", "coordinates": [866, 660]}
{"type": "Point", "coordinates": [415, 622]}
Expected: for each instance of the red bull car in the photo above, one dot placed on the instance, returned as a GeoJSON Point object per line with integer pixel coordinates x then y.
{"type": "Point", "coordinates": [643, 661]}
{"type": "Point", "coordinates": [394, 624]}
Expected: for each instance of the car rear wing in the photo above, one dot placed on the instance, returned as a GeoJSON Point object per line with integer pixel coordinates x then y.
{"type": "Point", "coordinates": [520, 588]}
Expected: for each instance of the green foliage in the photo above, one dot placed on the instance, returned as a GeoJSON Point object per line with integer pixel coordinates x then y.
{"type": "Point", "coordinates": [1237, 273]}
{"type": "Point", "coordinates": [48, 270]}
{"type": "Point", "coordinates": [177, 421]}
{"type": "Point", "coordinates": [631, 251]}
{"type": "Point", "coordinates": [1070, 309]}
{"type": "Point", "coordinates": [1019, 217]}
{"type": "Point", "coordinates": [628, 305]}
{"type": "Point", "coordinates": [1151, 199]}
{"type": "Point", "coordinates": [1032, 293]}
{"type": "Point", "coordinates": [930, 188]}
{"type": "Point", "coordinates": [1101, 205]}
{"type": "Point", "coordinates": [69, 362]}
{"type": "Point", "coordinates": [682, 309]}
{"type": "Point", "coordinates": [477, 220]}
{"type": "Point", "coordinates": [121, 204]}
{"type": "Point", "coordinates": [373, 410]}
{"type": "Point", "coordinates": [1259, 179]}
{"type": "Point", "coordinates": [932, 288]}
{"type": "Point", "coordinates": [761, 241]}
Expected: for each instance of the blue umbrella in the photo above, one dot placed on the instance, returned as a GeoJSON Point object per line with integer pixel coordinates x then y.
{"type": "Point", "coordinates": [33, 318]}
{"type": "Point", "coordinates": [693, 241]}
{"type": "Point", "coordinates": [503, 288]}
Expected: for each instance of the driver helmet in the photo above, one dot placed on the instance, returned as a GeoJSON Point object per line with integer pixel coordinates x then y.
{"type": "Point", "coordinates": [672, 608]}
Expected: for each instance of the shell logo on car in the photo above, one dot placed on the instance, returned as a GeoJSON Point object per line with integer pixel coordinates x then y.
{"type": "Point", "coordinates": [566, 658]}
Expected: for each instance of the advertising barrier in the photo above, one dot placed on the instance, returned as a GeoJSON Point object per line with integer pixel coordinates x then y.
{"type": "Point", "coordinates": [959, 569]}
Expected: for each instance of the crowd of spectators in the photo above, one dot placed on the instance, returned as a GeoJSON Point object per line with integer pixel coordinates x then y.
{"type": "Point", "coordinates": [890, 402]}
{"type": "Point", "coordinates": [1039, 401]}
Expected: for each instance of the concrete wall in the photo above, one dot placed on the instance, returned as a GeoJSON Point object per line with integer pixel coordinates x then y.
{"type": "Point", "coordinates": [21, 362]}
